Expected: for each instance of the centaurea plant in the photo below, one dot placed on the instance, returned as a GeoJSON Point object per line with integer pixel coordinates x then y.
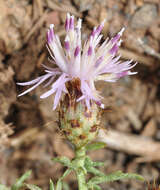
{"type": "Point", "coordinates": [76, 67]}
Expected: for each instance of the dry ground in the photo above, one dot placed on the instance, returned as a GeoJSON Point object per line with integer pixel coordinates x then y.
{"type": "Point", "coordinates": [29, 136]}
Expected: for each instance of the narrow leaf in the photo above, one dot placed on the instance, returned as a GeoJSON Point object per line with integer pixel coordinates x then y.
{"type": "Point", "coordinates": [65, 186]}
{"type": "Point", "coordinates": [96, 187]}
{"type": "Point", "coordinates": [63, 160]}
{"type": "Point", "coordinates": [89, 162]}
{"type": "Point", "coordinates": [20, 181]}
{"type": "Point", "coordinates": [98, 164]}
{"type": "Point", "coordinates": [51, 185]}
{"type": "Point", "coordinates": [95, 146]}
{"type": "Point", "coordinates": [32, 187]}
{"type": "Point", "coordinates": [113, 177]}
{"type": "Point", "coordinates": [3, 187]}
{"type": "Point", "coordinates": [65, 173]}
{"type": "Point", "coordinates": [95, 171]}
{"type": "Point", "coordinates": [59, 185]}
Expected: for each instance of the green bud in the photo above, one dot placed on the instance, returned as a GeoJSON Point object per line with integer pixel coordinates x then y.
{"type": "Point", "coordinates": [79, 124]}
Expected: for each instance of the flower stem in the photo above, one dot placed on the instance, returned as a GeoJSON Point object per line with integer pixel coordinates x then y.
{"type": "Point", "coordinates": [81, 180]}
{"type": "Point", "coordinates": [81, 152]}
{"type": "Point", "coordinates": [80, 156]}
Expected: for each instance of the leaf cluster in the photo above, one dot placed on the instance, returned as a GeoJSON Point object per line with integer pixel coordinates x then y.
{"type": "Point", "coordinates": [21, 185]}
{"type": "Point", "coordinates": [81, 162]}
{"type": "Point", "coordinates": [88, 166]}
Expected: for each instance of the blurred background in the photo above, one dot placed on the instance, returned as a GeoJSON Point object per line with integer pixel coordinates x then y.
{"type": "Point", "coordinates": [29, 134]}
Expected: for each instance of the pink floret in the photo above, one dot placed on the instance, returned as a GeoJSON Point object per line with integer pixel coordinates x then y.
{"type": "Point", "coordinates": [89, 63]}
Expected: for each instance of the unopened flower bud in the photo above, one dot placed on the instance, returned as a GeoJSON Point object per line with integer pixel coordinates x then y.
{"type": "Point", "coordinates": [79, 124]}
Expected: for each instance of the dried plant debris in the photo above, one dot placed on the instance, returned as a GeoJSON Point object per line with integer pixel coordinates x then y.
{"type": "Point", "coordinates": [145, 16]}
{"type": "Point", "coordinates": [84, 5]}
{"type": "Point", "coordinates": [7, 89]}
{"type": "Point", "coordinates": [28, 130]}
{"type": "Point", "coordinates": [7, 97]}
{"type": "Point", "coordinates": [5, 132]}
{"type": "Point", "coordinates": [15, 22]}
{"type": "Point", "coordinates": [23, 62]}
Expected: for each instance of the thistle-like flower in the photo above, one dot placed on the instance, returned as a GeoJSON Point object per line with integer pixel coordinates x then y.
{"type": "Point", "coordinates": [78, 67]}
{"type": "Point", "coordinates": [87, 63]}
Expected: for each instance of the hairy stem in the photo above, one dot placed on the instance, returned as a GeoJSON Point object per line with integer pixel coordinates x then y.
{"type": "Point", "coordinates": [81, 180]}
{"type": "Point", "coordinates": [81, 173]}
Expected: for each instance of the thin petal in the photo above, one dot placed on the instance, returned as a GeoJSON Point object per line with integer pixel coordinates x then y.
{"type": "Point", "coordinates": [45, 77]}
{"type": "Point", "coordinates": [50, 81]}
{"type": "Point", "coordinates": [81, 98]}
{"type": "Point", "coordinates": [29, 82]}
{"type": "Point", "coordinates": [88, 103]}
{"type": "Point", "coordinates": [58, 84]}
{"type": "Point", "coordinates": [57, 98]}
{"type": "Point", "coordinates": [48, 93]}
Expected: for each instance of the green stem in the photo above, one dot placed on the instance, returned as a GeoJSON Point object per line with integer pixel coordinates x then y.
{"type": "Point", "coordinates": [82, 185]}
{"type": "Point", "coordinates": [81, 152]}
{"type": "Point", "coordinates": [80, 155]}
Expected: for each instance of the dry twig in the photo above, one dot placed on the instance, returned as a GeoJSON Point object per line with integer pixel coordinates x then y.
{"type": "Point", "coordinates": [63, 8]}
{"type": "Point", "coordinates": [148, 49]}
{"type": "Point", "coordinates": [36, 26]}
{"type": "Point", "coordinates": [126, 54]}
{"type": "Point", "coordinates": [132, 144]}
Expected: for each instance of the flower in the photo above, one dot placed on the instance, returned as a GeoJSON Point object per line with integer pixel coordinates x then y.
{"type": "Point", "coordinates": [88, 63]}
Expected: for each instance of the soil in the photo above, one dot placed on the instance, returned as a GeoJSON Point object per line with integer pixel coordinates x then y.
{"type": "Point", "coordinates": [29, 135]}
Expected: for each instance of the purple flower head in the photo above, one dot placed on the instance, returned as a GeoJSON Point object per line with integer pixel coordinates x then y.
{"type": "Point", "coordinates": [89, 63]}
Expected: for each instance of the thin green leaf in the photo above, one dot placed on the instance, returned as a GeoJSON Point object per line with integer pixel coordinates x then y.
{"type": "Point", "coordinates": [63, 160]}
{"type": "Point", "coordinates": [113, 177]}
{"type": "Point", "coordinates": [20, 181]}
{"type": "Point", "coordinates": [59, 182]}
{"type": "Point", "coordinates": [94, 171]}
{"type": "Point", "coordinates": [65, 173]}
{"type": "Point", "coordinates": [65, 186]}
{"type": "Point", "coordinates": [59, 185]}
{"type": "Point", "coordinates": [98, 164]}
{"type": "Point", "coordinates": [51, 185]}
{"type": "Point", "coordinates": [3, 187]}
{"type": "Point", "coordinates": [89, 162]}
{"type": "Point", "coordinates": [96, 187]}
{"type": "Point", "coordinates": [32, 187]}
{"type": "Point", "coordinates": [95, 146]}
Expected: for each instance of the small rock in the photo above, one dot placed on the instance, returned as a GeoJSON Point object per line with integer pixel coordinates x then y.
{"type": "Point", "coordinates": [144, 16]}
